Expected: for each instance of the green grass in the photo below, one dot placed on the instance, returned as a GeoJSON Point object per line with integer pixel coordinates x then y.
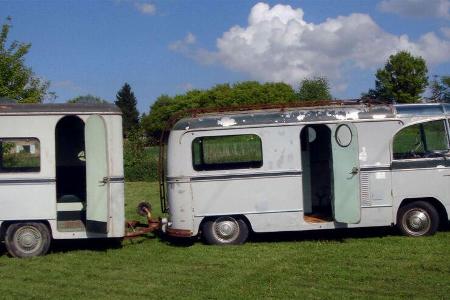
{"type": "Point", "coordinates": [369, 263]}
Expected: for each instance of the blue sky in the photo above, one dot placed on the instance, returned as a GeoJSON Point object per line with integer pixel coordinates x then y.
{"type": "Point", "coordinates": [167, 47]}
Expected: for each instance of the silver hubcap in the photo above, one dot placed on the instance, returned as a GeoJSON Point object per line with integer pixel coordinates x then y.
{"type": "Point", "coordinates": [416, 222]}
{"type": "Point", "coordinates": [28, 239]}
{"type": "Point", "coordinates": [226, 229]}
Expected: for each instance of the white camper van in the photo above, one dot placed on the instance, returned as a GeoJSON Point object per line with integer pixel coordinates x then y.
{"type": "Point", "coordinates": [61, 175]}
{"type": "Point", "coordinates": [291, 169]}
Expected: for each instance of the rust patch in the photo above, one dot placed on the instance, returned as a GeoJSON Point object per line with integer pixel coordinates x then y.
{"type": "Point", "coordinates": [136, 228]}
{"type": "Point", "coordinates": [179, 232]}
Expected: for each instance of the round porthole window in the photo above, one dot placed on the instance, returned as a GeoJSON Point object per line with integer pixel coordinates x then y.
{"type": "Point", "coordinates": [343, 135]}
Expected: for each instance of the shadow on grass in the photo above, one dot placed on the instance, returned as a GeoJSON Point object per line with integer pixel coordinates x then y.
{"type": "Point", "coordinates": [3, 249]}
{"type": "Point", "coordinates": [64, 246]}
{"type": "Point", "coordinates": [313, 235]}
{"type": "Point", "coordinates": [177, 242]}
{"type": "Point", "coordinates": [445, 226]}
{"type": "Point", "coordinates": [102, 245]}
{"type": "Point", "coordinates": [336, 235]}
{"type": "Point", "coordinates": [339, 235]}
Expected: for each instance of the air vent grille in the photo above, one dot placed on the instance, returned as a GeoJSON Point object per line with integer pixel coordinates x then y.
{"type": "Point", "coordinates": [365, 190]}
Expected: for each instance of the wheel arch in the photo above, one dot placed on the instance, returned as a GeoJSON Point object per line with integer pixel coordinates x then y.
{"type": "Point", "coordinates": [239, 216]}
{"type": "Point", "coordinates": [4, 226]}
{"type": "Point", "coordinates": [443, 215]}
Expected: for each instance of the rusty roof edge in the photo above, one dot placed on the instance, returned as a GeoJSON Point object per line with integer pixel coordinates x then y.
{"type": "Point", "coordinates": [333, 111]}
{"type": "Point", "coordinates": [275, 111]}
{"type": "Point", "coordinates": [58, 108]}
{"type": "Point", "coordinates": [230, 110]}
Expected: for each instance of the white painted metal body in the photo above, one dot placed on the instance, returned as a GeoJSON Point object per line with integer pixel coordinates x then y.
{"type": "Point", "coordinates": [271, 197]}
{"type": "Point", "coordinates": [31, 196]}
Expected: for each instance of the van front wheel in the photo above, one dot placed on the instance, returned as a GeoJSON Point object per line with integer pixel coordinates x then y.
{"type": "Point", "coordinates": [27, 239]}
{"type": "Point", "coordinates": [225, 231]}
{"type": "Point", "coordinates": [418, 219]}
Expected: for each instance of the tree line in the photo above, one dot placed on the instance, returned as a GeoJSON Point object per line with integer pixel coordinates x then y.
{"type": "Point", "coordinates": [403, 79]}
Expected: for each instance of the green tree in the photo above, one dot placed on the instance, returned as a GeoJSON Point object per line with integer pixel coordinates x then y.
{"type": "Point", "coordinates": [440, 89]}
{"type": "Point", "coordinates": [314, 89]}
{"type": "Point", "coordinates": [126, 101]}
{"type": "Point", "coordinates": [87, 99]}
{"type": "Point", "coordinates": [17, 81]}
{"type": "Point", "coordinates": [219, 96]}
{"type": "Point", "coordinates": [160, 112]}
{"type": "Point", "coordinates": [403, 79]}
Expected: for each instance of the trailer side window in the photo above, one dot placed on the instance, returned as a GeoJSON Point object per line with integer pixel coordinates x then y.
{"type": "Point", "coordinates": [421, 141]}
{"type": "Point", "coordinates": [19, 155]}
{"type": "Point", "coordinates": [227, 152]}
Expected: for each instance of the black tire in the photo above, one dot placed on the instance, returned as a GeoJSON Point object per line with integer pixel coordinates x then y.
{"type": "Point", "coordinates": [418, 218]}
{"type": "Point", "coordinates": [226, 230]}
{"type": "Point", "coordinates": [27, 239]}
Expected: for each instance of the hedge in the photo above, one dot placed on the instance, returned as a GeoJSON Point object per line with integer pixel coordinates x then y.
{"type": "Point", "coordinates": [140, 164]}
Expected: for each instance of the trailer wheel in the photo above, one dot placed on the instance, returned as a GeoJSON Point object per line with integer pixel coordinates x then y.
{"type": "Point", "coordinates": [418, 218]}
{"type": "Point", "coordinates": [225, 231]}
{"type": "Point", "coordinates": [27, 239]}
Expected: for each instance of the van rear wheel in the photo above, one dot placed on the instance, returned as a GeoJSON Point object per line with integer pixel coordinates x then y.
{"type": "Point", "coordinates": [27, 239]}
{"type": "Point", "coordinates": [225, 230]}
{"type": "Point", "coordinates": [418, 218]}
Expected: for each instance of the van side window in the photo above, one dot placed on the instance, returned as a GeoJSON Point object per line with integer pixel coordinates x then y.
{"type": "Point", "coordinates": [19, 155]}
{"type": "Point", "coordinates": [423, 140]}
{"type": "Point", "coordinates": [227, 152]}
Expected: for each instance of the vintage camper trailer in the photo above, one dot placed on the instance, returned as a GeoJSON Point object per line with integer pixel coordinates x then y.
{"type": "Point", "coordinates": [61, 175]}
{"type": "Point", "coordinates": [292, 169]}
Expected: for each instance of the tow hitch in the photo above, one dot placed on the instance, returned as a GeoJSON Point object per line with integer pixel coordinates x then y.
{"type": "Point", "coordinates": [135, 228]}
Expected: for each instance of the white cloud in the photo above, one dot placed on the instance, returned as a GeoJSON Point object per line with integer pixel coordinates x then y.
{"type": "Point", "coordinates": [279, 45]}
{"type": "Point", "coordinates": [145, 8]}
{"type": "Point", "coordinates": [417, 8]}
{"type": "Point", "coordinates": [184, 44]}
{"type": "Point", "coordinates": [187, 47]}
{"type": "Point", "coordinates": [446, 31]}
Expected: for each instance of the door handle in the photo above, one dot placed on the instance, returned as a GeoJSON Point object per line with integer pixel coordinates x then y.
{"type": "Point", "coordinates": [104, 181]}
{"type": "Point", "coordinates": [354, 171]}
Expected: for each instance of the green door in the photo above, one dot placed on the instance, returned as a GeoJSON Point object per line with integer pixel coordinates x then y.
{"type": "Point", "coordinates": [346, 202]}
{"type": "Point", "coordinates": [96, 175]}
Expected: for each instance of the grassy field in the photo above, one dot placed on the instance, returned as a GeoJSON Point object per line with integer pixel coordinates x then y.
{"type": "Point", "coordinates": [370, 263]}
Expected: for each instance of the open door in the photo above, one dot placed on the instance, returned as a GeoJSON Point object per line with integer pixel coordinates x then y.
{"type": "Point", "coordinates": [97, 184]}
{"type": "Point", "coordinates": [346, 204]}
